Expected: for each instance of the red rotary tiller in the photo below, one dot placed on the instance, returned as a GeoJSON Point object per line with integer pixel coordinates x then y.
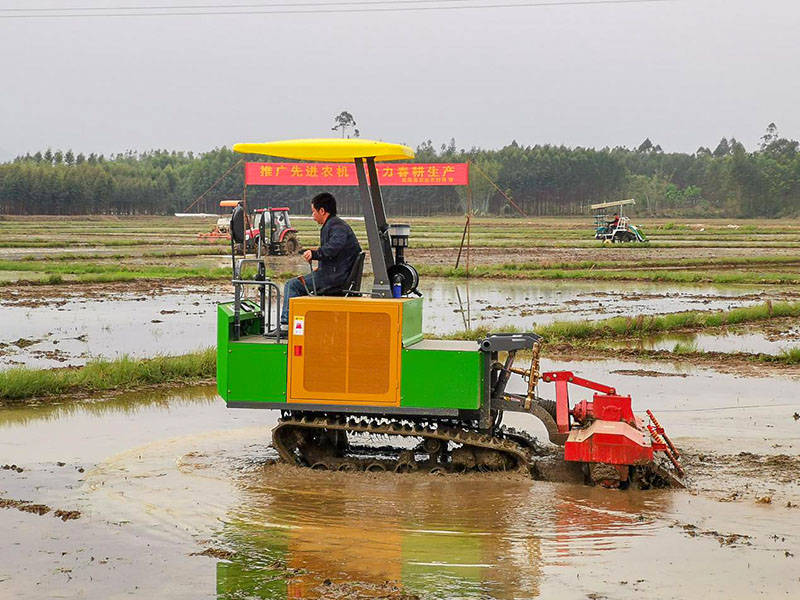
{"type": "Point", "coordinates": [607, 436]}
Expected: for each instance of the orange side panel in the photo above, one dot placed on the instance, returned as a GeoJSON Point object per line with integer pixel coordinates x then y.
{"type": "Point", "coordinates": [345, 351]}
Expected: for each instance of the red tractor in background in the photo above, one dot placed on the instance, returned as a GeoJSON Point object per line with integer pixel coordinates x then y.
{"type": "Point", "coordinates": [271, 227]}
{"type": "Point", "coordinates": [268, 227]}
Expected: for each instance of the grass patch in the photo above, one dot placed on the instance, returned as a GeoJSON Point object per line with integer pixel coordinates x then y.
{"type": "Point", "coordinates": [690, 354]}
{"type": "Point", "coordinates": [790, 356]}
{"type": "Point", "coordinates": [474, 334]}
{"type": "Point", "coordinates": [622, 327]}
{"type": "Point", "coordinates": [123, 373]}
{"type": "Point", "coordinates": [685, 348]}
{"type": "Point", "coordinates": [190, 252]}
{"type": "Point", "coordinates": [527, 271]}
{"type": "Point", "coordinates": [83, 271]}
{"type": "Point", "coordinates": [47, 243]}
{"type": "Point", "coordinates": [648, 325]}
{"type": "Point", "coordinates": [682, 263]}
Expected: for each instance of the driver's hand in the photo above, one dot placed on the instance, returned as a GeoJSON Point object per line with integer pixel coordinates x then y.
{"type": "Point", "coordinates": [307, 256]}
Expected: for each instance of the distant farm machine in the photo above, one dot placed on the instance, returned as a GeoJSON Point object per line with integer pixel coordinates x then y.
{"type": "Point", "coordinates": [356, 365]}
{"type": "Point", "coordinates": [615, 227]}
{"type": "Point", "coordinates": [271, 229]}
{"type": "Point", "coordinates": [267, 231]}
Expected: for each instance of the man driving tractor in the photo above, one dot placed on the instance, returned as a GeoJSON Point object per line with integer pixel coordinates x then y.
{"type": "Point", "coordinates": [338, 249]}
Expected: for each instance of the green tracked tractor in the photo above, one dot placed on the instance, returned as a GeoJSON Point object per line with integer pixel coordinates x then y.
{"type": "Point", "coordinates": [356, 364]}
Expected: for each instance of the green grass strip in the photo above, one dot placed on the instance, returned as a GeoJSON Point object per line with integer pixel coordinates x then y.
{"type": "Point", "coordinates": [113, 272]}
{"type": "Point", "coordinates": [689, 353]}
{"type": "Point", "coordinates": [735, 261]}
{"type": "Point", "coordinates": [625, 327]}
{"type": "Point", "coordinates": [123, 373]}
{"type": "Point", "coordinates": [514, 272]}
{"type": "Point", "coordinates": [211, 251]}
{"type": "Point", "coordinates": [42, 243]}
{"type": "Point", "coordinates": [686, 353]}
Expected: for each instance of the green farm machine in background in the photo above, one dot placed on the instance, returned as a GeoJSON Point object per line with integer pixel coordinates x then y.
{"type": "Point", "coordinates": [611, 225]}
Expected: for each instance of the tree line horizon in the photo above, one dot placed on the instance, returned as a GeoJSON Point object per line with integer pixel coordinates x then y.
{"type": "Point", "coordinates": [542, 180]}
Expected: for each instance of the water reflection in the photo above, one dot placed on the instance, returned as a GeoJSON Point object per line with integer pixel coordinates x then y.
{"type": "Point", "coordinates": [732, 340]}
{"type": "Point", "coordinates": [128, 403]}
{"type": "Point", "coordinates": [304, 534]}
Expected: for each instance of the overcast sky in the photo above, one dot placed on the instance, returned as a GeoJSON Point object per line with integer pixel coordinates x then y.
{"type": "Point", "coordinates": [684, 73]}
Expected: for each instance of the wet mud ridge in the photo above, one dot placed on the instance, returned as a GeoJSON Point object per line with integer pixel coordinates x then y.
{"type": "Point", "coordinates": [724, 539]}
{"type": "Point", "coordinates": [747, 469]}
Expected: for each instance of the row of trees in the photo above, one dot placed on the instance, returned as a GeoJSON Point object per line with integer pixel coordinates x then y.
{"type": "Point", "coordinates": [540, 180]}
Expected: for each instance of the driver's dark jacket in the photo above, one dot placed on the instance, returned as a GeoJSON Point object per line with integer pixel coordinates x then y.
{"type": "Point", "coordinates": [338, 249]}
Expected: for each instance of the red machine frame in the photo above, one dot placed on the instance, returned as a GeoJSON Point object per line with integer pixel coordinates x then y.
{"type": "Point", "coordinates": [606, 430]}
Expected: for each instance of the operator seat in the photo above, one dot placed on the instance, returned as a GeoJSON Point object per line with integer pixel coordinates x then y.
{"type": "Point", "coordinates": [351, 285]}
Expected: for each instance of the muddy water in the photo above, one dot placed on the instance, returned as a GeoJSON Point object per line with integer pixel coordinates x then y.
{"type": "Point", "coordinates": [70, 330]}
{"type": "Point", "coordinates": [159, 478]}
{"type": "Point", "coordinates": [455, 305]}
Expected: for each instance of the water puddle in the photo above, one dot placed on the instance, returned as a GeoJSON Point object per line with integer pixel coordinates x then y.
{"type": "Point", "coordinates": [71, 330]}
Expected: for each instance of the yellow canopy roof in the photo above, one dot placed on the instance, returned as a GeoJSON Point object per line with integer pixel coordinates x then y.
{"type": "Point", "coordinates": [328, 149]}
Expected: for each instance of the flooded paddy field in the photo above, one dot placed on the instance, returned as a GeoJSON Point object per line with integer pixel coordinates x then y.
{"type": "Point", "coordinates": [73, 327]}
{"type": "Point", "coordinates": [50, 326]}
{"type": "Point", "coordinates": [166, 493]}
{"type": "Point", "coordinates": [526, 304]}
{"type": "Point", "coordinates": [170, 494]}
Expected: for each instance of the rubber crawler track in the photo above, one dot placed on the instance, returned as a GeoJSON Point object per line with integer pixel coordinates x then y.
{"type": "Point", "coordinates": [516, 445]}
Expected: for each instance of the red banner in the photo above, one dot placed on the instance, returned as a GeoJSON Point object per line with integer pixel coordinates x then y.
{"type": "Point", "coordinates": [337, 174]}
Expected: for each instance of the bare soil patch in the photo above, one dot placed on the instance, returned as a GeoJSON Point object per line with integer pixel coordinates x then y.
{"type": "Point", "coordinates": [647, 373]}
{"type": "Point", "coordinates": [39, 509]}
{"type": "Point", "coordinates": [33, 296]}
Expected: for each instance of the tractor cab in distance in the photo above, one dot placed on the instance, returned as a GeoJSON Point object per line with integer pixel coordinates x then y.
{"type": "Point", "coordinates": [611, 225]}
{"type": "Point", "coordinates": [265, 232]}
{"type": "Point", "coordinates": [271, 227]}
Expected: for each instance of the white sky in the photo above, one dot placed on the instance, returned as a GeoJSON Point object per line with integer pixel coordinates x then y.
{"type": "Point", "coordinates": [685, 73]}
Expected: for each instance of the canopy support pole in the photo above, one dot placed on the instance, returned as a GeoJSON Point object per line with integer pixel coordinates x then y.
{"type": "Point", "coordinates": [380, 249]}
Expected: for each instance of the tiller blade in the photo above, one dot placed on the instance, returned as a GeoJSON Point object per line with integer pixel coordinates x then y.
{"type": "Point", "coordinates": [606, 436]}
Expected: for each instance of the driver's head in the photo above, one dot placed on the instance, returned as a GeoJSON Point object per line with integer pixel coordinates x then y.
{"type": "Point", "coordinates": [323, 206]}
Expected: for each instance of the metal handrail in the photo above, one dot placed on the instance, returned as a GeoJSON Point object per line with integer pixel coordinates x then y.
{"type": "Point", "coordinates": [265, 302]}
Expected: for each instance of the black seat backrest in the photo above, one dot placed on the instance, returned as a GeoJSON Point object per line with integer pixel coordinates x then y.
{"type": "Point", "coordinates": [351, 285]}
